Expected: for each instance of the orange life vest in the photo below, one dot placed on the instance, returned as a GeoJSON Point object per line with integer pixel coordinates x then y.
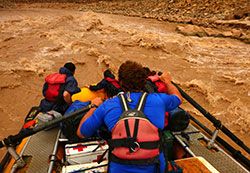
{"type": "Point", "coordinates": [135, 140]}
{"type": "Point", "coordinates": [54, 83]}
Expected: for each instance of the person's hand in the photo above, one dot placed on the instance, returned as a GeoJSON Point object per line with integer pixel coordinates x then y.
{"type": "Point", "coordinates": [165, 77]}
{"type": "Point", "coordinates": [97, 101]}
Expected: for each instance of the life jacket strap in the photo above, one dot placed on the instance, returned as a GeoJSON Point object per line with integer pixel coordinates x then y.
{"type": "Point", "coordinates": [141, 103]}
{"type": "Point", "coordinates": [131, 143]}
{"type": "Point", "coordinates": [154, 160]}
{"type": "Point", "coordinates": [139, 106]}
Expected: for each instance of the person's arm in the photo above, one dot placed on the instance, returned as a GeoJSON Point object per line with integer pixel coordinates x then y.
{"type": "Point", "coordinates": [98, 86]}
{"type": "Point", "coordinates": [67, 97]}
{"type": "Point", "coordinates": [171, 89]}
{"type": "Point", "coordinates": [97, 102]}
{"type": "Point", "coordinates": [86, 116]}
{"type": "Point", "coordinates": [71, 86]}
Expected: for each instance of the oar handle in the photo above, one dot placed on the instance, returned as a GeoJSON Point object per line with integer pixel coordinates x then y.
{"type": "Point", "coordinates": [14, 139]}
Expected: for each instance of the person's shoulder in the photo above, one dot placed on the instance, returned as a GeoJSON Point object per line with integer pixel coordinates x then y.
{"type": "Point", "coordinates": [155, 94]}
{"type": "Point", "coordinates": [160, 95]}
{"type": "Point", "coordinates": [113, 99]}
{"type": "Point", "coordinates": [110, 102]}
{"type": "Point", "coordinates": [70, 78]}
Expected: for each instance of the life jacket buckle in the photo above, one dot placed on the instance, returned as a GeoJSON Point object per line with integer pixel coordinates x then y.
{"type": "Point", "coordinates": [136, 147]}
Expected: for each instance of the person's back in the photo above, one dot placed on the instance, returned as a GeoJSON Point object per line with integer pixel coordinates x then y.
{"type": "Point", "coordinates": [58, 89]}
{"type": "Point", "coordinates": [109, 84]}
{"type": "Point", "coordinates": [110, 111]}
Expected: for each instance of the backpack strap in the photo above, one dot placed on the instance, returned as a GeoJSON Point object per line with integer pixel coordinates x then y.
{"type": "Point", "coordinates": [139, 107]}
{"type": "Point", "coordinates": [141, 103]}
{"type": "Point", "coordinates": [125, 106]}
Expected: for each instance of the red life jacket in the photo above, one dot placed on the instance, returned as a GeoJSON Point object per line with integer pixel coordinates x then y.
{"type": "Point", "coordinates": [135, 140]}
{"type": "Point", "coordinates": [166, 119]}
{"type": "Point", "coordinates": [161, 86]}
{"type": "Point", "coordinates": [54, 82]}
{"type": "Point", "coordinates": [113, 82]}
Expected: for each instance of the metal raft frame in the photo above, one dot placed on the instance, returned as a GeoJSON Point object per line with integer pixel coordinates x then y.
{"type": "Point", "coordinates": [40, 146]}
{"type": "Point", "coordinates": [217, 157]}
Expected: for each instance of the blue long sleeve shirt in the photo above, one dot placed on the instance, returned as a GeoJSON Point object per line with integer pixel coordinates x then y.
{"type": "Point", "coordinates": [109, 112]}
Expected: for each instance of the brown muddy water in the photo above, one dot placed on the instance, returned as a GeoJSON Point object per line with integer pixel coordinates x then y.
{"type": "Point", "coordinates": [36, 42]}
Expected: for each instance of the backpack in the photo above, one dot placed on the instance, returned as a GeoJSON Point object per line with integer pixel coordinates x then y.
{"type": "Point", "coordinates": [54, 84]}
{"type": "Point", "coordinates": [135, 140]}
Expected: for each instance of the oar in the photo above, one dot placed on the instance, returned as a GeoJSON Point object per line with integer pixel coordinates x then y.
{"type": "Point", "coordinates": [13, 140]}
{"type": "Point", "coordinates": [211, 118]}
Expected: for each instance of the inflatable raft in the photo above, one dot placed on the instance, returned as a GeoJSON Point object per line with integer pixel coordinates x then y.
{"type": "Point", "coordinates": [195, 149]}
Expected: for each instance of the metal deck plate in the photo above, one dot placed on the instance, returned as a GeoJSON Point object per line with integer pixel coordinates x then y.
{"type": "Point", "coordinates": [220, 160]}
{"type": "Point", "coordinates": [40, 147]}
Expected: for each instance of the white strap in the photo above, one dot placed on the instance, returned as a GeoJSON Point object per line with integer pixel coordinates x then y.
{"type": "Point", "coordinates": [124, 102]}
{"type": "Point", "coordinates": [141, 101]}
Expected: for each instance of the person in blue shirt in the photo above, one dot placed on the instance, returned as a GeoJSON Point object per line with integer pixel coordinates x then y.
{"type": "Point", "coordinates": [132, 78]}
{"type": "Point", "coordinates": [66, 88]}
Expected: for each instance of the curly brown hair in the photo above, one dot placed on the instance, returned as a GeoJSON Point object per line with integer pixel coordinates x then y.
{"type": "Point", "coordinates": [132, 76]}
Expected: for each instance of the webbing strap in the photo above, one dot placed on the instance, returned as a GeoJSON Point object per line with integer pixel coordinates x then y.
{"type": "Point", "coordinates": [127, 128]}
{"type": "Point", "coordinates": [141, 102]}
{"type": "Point", "coordinates": [139, 106]}
{"type": "Point", "coordinates": [125, 106]}
{"type": "Point", "coordinates": [130, 142]}
{"type": "Point", "coordinates": [154, 160]}
{"type": "Point", "coordinates": [136, 128]}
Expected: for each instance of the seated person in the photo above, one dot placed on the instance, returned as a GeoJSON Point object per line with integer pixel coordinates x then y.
{"type": "Point", "coordinates": [150, 86]}
{"type": "Point", "coordinates": [69, 127]}
{"type": "Point", "coordinates": [58, 89]}
{"type": "Point", "coordinates": [155, 85]}
{"type": "Point", "coordinates": [109, 84]}
{"type": "Point", "coordinates": [154, 82]}
{"type": "Point", "coordinates": [132, 78]}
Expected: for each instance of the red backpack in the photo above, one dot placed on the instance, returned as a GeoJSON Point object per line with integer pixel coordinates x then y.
{"type": "Point", "coordinates": [54, 83]}
{"type": "Point", "coordinates": [135, 140]}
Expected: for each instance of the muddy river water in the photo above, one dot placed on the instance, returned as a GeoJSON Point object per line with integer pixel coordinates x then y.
{"type": "Point", "coordinates": [36, 42]}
